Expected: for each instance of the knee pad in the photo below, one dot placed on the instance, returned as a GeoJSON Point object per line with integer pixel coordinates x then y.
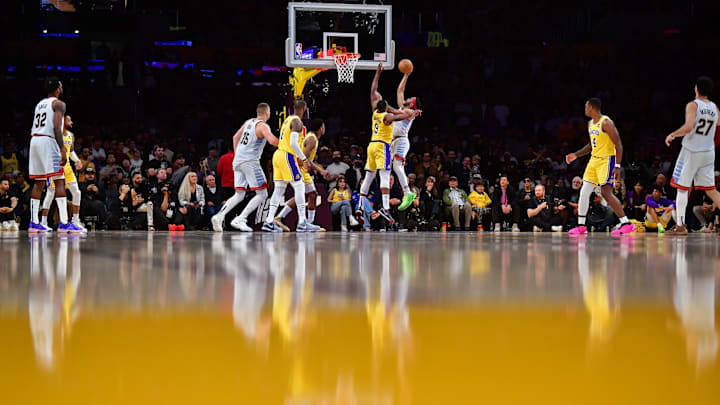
{"type": "Point", "coordinates": [384, 179]}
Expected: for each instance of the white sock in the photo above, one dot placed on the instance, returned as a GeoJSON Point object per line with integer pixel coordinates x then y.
{"type": "Point", "coordinates": [62, 209]}
{"type": "Point", "coordinates": [624, 220]}
{"type": "Point", "coordinates": [581, 221]}
{"type": "Point", "coordinates": [386, 201]}
{"type": "Point", "coordinates": [231, 203]}
{"type": "Point", "coordinates": [285, 211]}
{"type": "Point", "coordinates": [35, 210]}
{"type": "Point", "coordinates": [43, 220]}
{"type": "Point", "coordinates": [254, 203]}
{"type": "Point", "coordinates": [277, 196]}
{"type": "Point", "coordinates": [76, 218]}
{"type": "Point", "coordinates": [361, 202]}
{"type": "Point", "coordinates": [311, 216]}
{"type": "Point", "coordinates": [299, 188]}
{"type": "Point", "coordinates": [682, 202]}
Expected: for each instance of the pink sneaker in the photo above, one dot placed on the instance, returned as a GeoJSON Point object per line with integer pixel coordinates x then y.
{"type": "Point", "coordinates": [623, 230]}
{"type": "Point", "coordinates": [580, 230]}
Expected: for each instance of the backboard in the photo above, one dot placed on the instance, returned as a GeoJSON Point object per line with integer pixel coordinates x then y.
{"type": "Point", "coordinates": [317, 30]}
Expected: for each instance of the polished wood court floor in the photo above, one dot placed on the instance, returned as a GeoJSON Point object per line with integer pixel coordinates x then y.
{"type": "Point", "coordinates": [202, 318]}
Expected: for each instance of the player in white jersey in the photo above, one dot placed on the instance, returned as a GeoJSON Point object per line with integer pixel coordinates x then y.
{"type": "Point", "coordinates": [401, 144]}
{"type": "Point", "coordinates": [48, 156]}
{"type": "Point", "coordinates": [695, 165]}
{"type": "Point", "coordinates": [70, 180]}
{"type": "Point", "coordinates": [248, 143]}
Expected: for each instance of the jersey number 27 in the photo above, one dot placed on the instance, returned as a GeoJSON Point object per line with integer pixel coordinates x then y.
{"type": "Point", "coordinates": [701, 125]}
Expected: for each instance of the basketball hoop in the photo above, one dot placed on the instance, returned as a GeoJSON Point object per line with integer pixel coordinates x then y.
{"type": "Point", "coordinates": [345, 64]}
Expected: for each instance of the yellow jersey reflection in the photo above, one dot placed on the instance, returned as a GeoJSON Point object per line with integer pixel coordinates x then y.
{"type": "Point", "coordinates": [52, 307]}
{"type": "Point", "coordinates": [601, 296]}
{"type": "Point", "coordinates": [694, 299]}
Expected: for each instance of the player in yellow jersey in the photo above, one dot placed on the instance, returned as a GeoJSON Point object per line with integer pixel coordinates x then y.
{"type": "Point", "coordinates": [606, 154]}
{"type": "Point", "coordinates": [379, 157]}
{"type": "Point", "coordinates": [289, 161]}
{"type": "Point", "coordinates": [310, 147]}
{"type": "Point", "coordinates": [71, 182]}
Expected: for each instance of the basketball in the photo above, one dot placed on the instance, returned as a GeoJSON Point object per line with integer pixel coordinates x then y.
{"type": "Point", "coordinates": [405, 66]}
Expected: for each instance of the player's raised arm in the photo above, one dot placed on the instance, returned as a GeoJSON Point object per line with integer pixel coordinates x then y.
{"type": "Point", "coordinates": [401, 90]}
{"type": "Point", "coordinates": [609, 127]}
{"type": "Point", "coordinates": [263, 131]}
{"type": "Point", "coordinates": [374, 94]}
{"type": "Point", "coordinates": [690, 114]}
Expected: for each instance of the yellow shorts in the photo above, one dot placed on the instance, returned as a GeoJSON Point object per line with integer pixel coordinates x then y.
{"type": "Point", "coordinates": [378, 156]}
{"type": "Point", "coordinates": [69, 175]}
{"type": "Point", "coordinates": [599, 170]}
{"type": "Point", "coordinates": [286, 167]}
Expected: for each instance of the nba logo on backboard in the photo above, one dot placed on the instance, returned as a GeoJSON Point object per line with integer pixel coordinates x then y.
{"type": "Point", "coordinates": [379, 57]}
{"type": "Point", "coordinates": [298, 50]}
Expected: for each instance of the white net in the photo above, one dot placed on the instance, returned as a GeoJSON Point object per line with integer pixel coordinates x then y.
{"type": "Point", "coordinates": [345, 63]}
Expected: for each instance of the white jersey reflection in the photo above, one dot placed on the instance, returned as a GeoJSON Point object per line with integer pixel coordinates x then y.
{"type": "Point", "coordinates": [694, 299]}
{"type": "Point", "coordinates": [52, 307]}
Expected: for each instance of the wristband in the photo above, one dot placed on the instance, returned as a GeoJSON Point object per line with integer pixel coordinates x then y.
{"type": "Point", "coordinates": [617, 165]}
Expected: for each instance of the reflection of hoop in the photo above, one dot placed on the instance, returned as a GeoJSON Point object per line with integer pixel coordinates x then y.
{"type": "Point", "coordinates": [345, 64]}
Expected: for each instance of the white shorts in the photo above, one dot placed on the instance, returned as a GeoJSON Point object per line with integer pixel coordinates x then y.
{"type": "Point", "coordinates": [694, 167]}
{"type": "Point", "coordinates": [45, 159]}
{"type": "Point", "coordinates": [250, 174]}
{"type": "Point", "coordinates": [399, 148]}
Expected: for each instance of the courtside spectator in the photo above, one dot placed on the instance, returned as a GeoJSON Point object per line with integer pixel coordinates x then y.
{"type": "Point", "coordinates": [456, 204]}
{"type": "Point", "coordinates": [505, 208]}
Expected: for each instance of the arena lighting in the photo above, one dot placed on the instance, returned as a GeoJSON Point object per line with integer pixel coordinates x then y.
{"type": "Point", "coordinates": [239, 72]}
{"type": "Point", "coordinates": [95, 68]}
{"type": "Point", "coordinates": [274, 69]}
{"type": "Point", "coordinates": [47, 34]}
{"type": "Point", "coordinates": [77, 31]}
{"type": "Point", "coordinates": [170, 65]}
{"type": "Point", "coordinates": [173, 43]}
{"type": "Point", "coordinates": [11, 68]}
{"type": "Point", "coordinates": [161, 65]}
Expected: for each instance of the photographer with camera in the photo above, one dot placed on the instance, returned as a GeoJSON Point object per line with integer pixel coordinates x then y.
{"type": "Point", "coordinates": [543, 214]}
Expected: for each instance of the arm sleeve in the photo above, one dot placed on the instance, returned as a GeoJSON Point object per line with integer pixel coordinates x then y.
{"type": "Point", "coordinates": [295, 145]}
{"type": "Point", "coordinates": [74, 157]}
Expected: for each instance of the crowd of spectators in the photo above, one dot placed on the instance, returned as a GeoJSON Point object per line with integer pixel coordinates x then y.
{"type": "Point", "coordinates": [130, 184]}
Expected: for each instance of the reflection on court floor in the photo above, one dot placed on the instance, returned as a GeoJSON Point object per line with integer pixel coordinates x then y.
{"type": "Point", "coordinates": [296, 319]}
